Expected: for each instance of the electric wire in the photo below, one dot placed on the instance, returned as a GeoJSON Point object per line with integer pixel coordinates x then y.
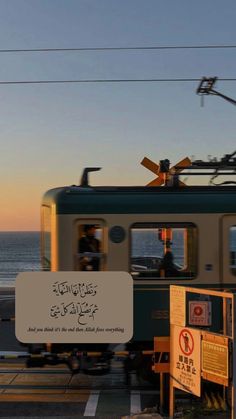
{"type": "Point", "coordinates": [151, 80]}
{"type": "Point", "coordinates": [129, 48]}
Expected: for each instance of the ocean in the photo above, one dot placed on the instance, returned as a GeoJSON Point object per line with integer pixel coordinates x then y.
{"type": "Point", "coordinates": [19, 252]}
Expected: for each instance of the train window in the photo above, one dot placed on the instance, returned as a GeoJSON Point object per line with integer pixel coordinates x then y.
{"type": "Point", "coordinates": [163, 251]}
{"type": "Point", "coordinates": [46, 238]}
{"type": "Point", "coordinates": [90, 247]}
{"type": "Point", "coordinates": [233, 249]}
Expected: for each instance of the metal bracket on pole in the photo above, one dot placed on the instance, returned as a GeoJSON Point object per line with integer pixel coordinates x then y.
{"type": "Point", "coordinates": [206, 88]}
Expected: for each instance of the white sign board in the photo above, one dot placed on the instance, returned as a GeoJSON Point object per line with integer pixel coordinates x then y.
{"type": "Point", "coordinates": [177, 305]}
{"type": "Point", "coordinates": [186, 359]}
{"type": "Point", "coordinates": [74, 307]}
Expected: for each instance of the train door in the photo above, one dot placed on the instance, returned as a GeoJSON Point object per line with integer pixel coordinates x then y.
{"type": "Point", "coordinates": [90, 243]}
{"type": "Point", "coordinates": [229, 248]}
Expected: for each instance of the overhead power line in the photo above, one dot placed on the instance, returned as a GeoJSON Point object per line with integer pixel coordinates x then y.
{"type": "Point", "coordinates": [130, 48]}
{"type": "Point", "coordinates": [174, 80]}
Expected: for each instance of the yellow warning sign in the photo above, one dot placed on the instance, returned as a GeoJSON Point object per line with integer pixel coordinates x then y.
{"type": "Point", "coordinates": [177, 305]}
{"type": "Point", "coordinates": [215, 361]}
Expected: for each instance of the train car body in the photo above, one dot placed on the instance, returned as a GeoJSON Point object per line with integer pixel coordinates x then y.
{"type": "Point", "coordinates": [136, 227]}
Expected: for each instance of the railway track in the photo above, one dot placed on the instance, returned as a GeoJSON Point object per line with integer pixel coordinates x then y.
{"type": "Point", "coordinates": [80, 395]}
{"type": "Point", "coordinates": [43, 392]}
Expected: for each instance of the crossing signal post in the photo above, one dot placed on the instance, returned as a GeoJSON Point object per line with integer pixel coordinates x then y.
{"type": "Point", "coordinates": [166, 175]}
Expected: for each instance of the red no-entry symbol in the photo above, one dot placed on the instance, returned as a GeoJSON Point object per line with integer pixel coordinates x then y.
{"type": "Point", "coordinates": [186, 342]}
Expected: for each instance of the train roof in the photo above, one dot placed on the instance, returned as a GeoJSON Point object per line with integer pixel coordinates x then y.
{"type": "Point", "coordinates": [141, 199]}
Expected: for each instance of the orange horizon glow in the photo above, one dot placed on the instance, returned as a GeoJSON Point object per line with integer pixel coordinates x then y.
{"type": "Point", "coordinates": [20, 211]}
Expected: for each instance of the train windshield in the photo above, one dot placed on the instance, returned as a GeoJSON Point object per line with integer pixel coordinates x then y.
{"type": "Point", "coordinates": [164, 250]}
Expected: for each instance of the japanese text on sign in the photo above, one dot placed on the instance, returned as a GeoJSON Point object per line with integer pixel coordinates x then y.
{"type": "Point", "coordinates": [185, 362]}
{"type": "Point", "coordinates": [215, 358]}
{"type": "Point", "coordinates": [177, 305]}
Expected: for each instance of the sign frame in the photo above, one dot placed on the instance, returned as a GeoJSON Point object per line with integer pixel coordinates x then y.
{"type": "Point", "coordinates": [228, 332]}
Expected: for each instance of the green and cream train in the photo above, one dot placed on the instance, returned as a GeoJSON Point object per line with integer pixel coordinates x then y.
{"type": "Point", "coordinates": [137, 227]}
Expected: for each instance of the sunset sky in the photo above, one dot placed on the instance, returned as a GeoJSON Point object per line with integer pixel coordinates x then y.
{"type": "Point", "coordinates": [50, 132]}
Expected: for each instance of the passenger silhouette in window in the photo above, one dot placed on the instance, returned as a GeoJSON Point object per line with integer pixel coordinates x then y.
{"type": "Point", "coordinates": [167, 267]}
{"type": "Point", "coordinates": [88, 243]}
